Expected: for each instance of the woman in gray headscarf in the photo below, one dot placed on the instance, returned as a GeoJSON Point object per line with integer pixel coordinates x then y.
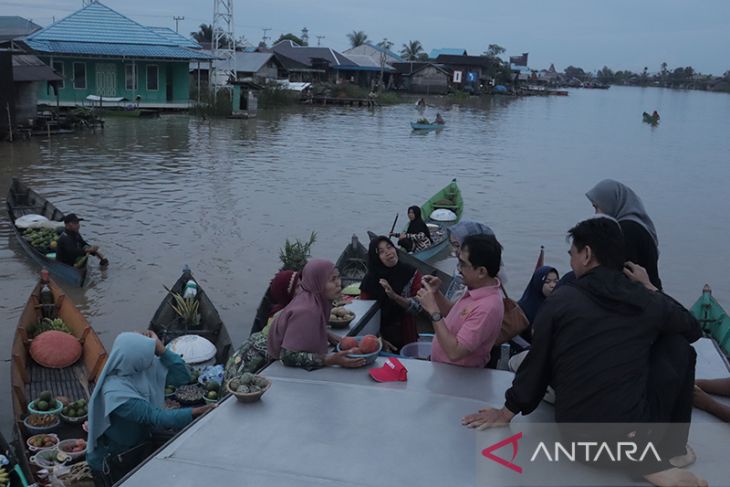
{"type": "Point", "coordinates": [617, 200]}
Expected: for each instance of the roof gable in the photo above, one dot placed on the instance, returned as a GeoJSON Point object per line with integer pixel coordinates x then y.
{"type": "Point", "coordinates": [13, 26]}
{"type": "Point", "coordinates": [173, 36]}
{"type": "Point", "coordinates": [98, 23]}
{"type": "Point", "coordinates": [305, 54]}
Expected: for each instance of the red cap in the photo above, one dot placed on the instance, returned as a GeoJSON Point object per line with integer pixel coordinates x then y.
{"type": "Point", "coordinates": [391, 371]}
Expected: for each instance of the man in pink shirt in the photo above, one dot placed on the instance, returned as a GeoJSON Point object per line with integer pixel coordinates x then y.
{"type": "Point", "coordinates": [467, 334]}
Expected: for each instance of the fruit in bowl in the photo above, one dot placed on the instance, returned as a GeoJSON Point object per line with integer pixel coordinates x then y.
{"type": "Point", "coordinates": [75, 448]}
{"type": "Point", "coordinates": [367, 347]}
{"type": "Point", "coordinates": [42, 442]}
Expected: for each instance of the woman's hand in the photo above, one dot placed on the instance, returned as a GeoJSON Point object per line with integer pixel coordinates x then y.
{"type": "Point", "coordinates": [333, 339]}
{"type": "Point", "coordinates": [388, 290]}
{"type": "Point", "coordinates": [488, 418]}
{"type": "Point", "coordinates": [159, 347]}
{"type": "Point", "coordinates": [387, 346]}
{"type": "Point", "coordinates": [636, 273]}
{"type": "Point", "coordinates": [342, 359]}
{"type": "Point", "coordinates": [431, 282]}
{"type": "Point", "coordinates": [201, 410]}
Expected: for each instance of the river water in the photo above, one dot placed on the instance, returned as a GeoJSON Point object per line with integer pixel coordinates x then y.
{"type": "Point", "coordinates": [222, 195]}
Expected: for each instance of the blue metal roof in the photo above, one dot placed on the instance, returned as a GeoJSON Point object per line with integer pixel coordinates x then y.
{"type": "Point", "coordinates": [173, 36]}
{"type": "Point", "coordinates": [451, 51]}
{"type": "Point", "coordinates": [115, 50]}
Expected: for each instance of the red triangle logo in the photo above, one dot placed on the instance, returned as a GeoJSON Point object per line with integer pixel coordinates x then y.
{"type": "Point", "coordinates": [512, 440]}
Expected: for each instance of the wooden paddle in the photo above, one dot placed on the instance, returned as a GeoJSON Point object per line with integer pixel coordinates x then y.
{"type": "Point", "coordinates": [393, 227]}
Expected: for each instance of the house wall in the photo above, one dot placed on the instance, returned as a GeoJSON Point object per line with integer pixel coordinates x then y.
{"type": "Point", "coordinates": [429, 80]}
{"type": "Point", "coordinates": [109, 78]}
{"type": "Point", "coordinates": [269, 71]}
{"type": "Point", "coordinates": [26, 100]}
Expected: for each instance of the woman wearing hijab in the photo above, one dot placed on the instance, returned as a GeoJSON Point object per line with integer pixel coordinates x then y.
{"type": "Point", "coordinates": [617, 200]}
{"type": "Point", "coordinates": [298, 335]}
{"type": "Point", "coordinates": [541, 285]}
{"type": "Point", "coordinates": [280, 292]}
{"type": "Point", "coordinates": [394, 285]}
{"type": "Point", "coordinates": [417, 236]}
{"type": "Point", "coordinates": [128, 404]}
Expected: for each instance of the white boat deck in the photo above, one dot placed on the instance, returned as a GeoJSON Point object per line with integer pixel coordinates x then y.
{"type": "Point", "coordinates": [336, 426]}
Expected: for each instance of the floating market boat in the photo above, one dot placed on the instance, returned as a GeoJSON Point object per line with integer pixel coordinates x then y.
{"type": "Point", "coordinates": [29, 379]}
{"type": "Point", "coordinates": [427, 126]}
{"type": "Point", "coordinates": [713, 318]}
{"type": "Point", "coordinates": [168, 324]}
{"type": "Point", "coordinates": [22, 201]}
{"type": "Point", "coordinates": [440, 211]}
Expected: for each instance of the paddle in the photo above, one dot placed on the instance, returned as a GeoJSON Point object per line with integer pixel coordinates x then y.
{"type": "Point", "coordinates": [390, 234]}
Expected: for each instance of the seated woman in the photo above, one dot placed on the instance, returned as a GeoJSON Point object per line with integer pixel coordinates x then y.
{"type": "Point", "coordinates": [541, 285]}
{"type": "Point", "coordinates": [281, 291]}
{"type": "Point", "coordinates": [439, 120]}
{"type": "Point", "coordinates": [299, 336]}
{"type": "Point", "coordinates": [394, 285]}
{"type": "Point", "coordinates": [417, 236]}
{"type": "Point", "coordinates": [128, 404]}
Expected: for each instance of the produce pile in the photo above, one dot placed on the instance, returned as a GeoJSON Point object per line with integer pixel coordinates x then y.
{"type": "Point", "coordinates": [41, 420]}
{"type": "Point", "coordinates": [45, 402]}
{"type": "Point", "coordinates": [368, 344]}
{"type": "Point", "coordinates": [247, 383]}
{"type": "Point", "coordinates": [4, 476]}
{"type": "Point", "coordinates": [341, 314]}
{"type": "Point", "coordinates": [189, 394]}
{"type": "Point", "coordinates": [77, 447]}
{"type": "Point", "coordinates": [76, 409]}
{"type": "Point", "coordinates": [47, 324]}
{"type": "Point", "coordinates": [43, 239]}
{"type": "Point", "coordinates": [43, 441]}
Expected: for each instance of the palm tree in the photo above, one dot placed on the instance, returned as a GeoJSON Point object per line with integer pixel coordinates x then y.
{"type": "Point", "coordinates": [411, 51]}
{"type": "Point", "coordinates": [357, 38]}
{"type": "Point", "coordinates": [205, 34]}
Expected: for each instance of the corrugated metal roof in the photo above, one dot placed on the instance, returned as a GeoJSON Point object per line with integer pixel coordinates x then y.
{"type": "Point", "coordinates": [115, 50]}
{"type": "Point", "coordinates": [13, 26]}
{"type": "Point", "coordinates": [176, 38]}
{"type": "Point", "coordinates": [29, 68]}
{"type": "Point", "coordinates": [448, 50]}
{"type": "Point", "coordinates": [246, 62]}
{"type": "Point", "coordinates": [305, 54]}
{"type": "Point", "coordinates": [98, 23]}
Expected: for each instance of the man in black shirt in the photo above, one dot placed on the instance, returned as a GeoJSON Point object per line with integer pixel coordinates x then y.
{"type": "Point", "coordinates": [72, 246]}
{"type": "Point", "coordinates": [614, 349]}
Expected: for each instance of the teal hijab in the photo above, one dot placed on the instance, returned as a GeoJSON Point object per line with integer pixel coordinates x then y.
{"type": "Point", "coordinates": [131, 372]}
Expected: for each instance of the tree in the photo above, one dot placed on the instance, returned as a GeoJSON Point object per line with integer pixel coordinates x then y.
{"type": "Point", "coordinates": [494, 50]}
{"type": "Point", "coordinates": [205, 34]}
{"type": "Point", "coordinates": [605, 75]}
{"type": "Point", "coordinates": [357, 38]}
{"type": "Point", "coordinates": [290, 37]}
{"type": "Point", "coordinates": [578, 73]}
{"type": "Point", "coordinates": [411, 51]}
{"type": "Point", "coordinates": [726, 74]}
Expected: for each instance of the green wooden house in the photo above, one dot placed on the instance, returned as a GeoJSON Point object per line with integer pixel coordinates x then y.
{"type": "Point", "coordinates": [101, 53]}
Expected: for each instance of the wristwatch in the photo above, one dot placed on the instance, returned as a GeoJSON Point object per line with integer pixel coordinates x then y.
{"type": "Point", "coordinates": [436, 317]}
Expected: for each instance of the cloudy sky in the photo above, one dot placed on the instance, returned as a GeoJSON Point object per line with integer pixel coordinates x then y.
{"type": "Point", "coordinates": [622, 34]}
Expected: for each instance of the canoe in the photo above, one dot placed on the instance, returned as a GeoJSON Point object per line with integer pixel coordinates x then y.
{"type": "Point", "coordinates": [22, 200]}
{"type": "Point", "coordinates": [650, 119]}
{"type": "Point", "coordinates": [168, 325]}
{"type": "Point", "coordinates": [449, 198]}
{"type": "Point", "coordinates": [427, 126]}
{"type": "Point", "coordinates": [714, 320]}
{"type": "Point", "coordinates": [353, 262]}
{"type": "Point", "coordinates": [28, 379]}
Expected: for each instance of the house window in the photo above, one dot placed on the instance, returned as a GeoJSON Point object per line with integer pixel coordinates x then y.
{"type": "Point", "coordinates": [130, 77]}
{"type": "Point", "coordinates": [153, 83]}
{"type": "Point", "coordinates": [58, 68]}
{"type": "Point", "coordinates": [80, 76]}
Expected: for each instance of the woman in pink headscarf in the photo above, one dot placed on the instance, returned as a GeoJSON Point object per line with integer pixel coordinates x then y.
{"type": "Point", "coordinates": [298, 335]}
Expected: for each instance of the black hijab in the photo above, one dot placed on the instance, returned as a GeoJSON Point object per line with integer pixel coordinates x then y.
{"type": "Point", "coordinates": [397, 276]}
{"type": "Point", "coordinates": [418, 225]}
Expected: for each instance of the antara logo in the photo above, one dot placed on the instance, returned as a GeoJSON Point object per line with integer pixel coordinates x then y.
{"type": "Point", "coordinates": [512, 440]}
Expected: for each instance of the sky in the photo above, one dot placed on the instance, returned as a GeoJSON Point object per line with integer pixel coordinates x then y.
{"type": "Point", "coordinates": [620, 34]}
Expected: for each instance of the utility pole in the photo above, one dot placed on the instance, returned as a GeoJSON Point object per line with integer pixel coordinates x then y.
{"type": "Point", "coordinates": [177, 21]}
{"type": "Point", "coordinates": [266, 37]}
{"type": "Point", "coordinates": [223, 66]}
{"type": "Point", "coordinates": [385, 44]}
{"type": "Point", "coordinates": [319, 38]}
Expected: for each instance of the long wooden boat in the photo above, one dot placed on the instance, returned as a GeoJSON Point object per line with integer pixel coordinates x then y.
{"type": "Point", "coordinates": [427, 126]}
{"type": "Point", "coordinates": [650, 119]}
{"type": "Point", "coordinates": [713, 318]}
{"type": "Point", "coordinates": [448, 198]}
{"type": "Point", "coordinates": [168, 326]}
{"type": "Point", "coordinates": [353, 262]}
{"type": "Point", "coordinates": [28, 379]}
{"type": "Point", "coordinates": [22, 200]}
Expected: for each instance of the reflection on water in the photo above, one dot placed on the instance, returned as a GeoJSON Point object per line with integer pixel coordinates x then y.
{"type": "Point", "coordinates": [222, 195]}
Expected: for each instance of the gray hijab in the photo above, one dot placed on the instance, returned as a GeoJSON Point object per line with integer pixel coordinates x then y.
{"type": "Point", "coordinates": [620, 202]}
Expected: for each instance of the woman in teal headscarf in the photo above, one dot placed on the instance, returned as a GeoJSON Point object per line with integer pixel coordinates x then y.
{"type": "Point", "coordinates": [128, 403]}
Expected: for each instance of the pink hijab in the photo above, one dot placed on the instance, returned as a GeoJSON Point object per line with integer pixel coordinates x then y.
{"type": "Point", "coordinates": [302, 324]}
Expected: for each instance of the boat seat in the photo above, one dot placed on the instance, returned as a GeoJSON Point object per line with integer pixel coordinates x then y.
{"type": "Point", "coordinates": [62, 382]}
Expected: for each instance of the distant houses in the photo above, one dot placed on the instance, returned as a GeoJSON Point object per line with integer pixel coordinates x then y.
{"type": "Point", "coordinates": [99, 52]}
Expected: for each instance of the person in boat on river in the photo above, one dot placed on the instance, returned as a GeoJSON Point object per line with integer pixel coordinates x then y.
{"type": "Point", "coordinates": [417, 236]}
{"type": "Point", "coordinates": [703, 400]}
{"type": "Point", "coordinates": [298, 336]}
{"type": "Point", "coordinates": [128, 403]}
{"type": "Point", "coordinates": [421, 103]}
{"type": "Point", "coordinates": [394, 285]}
{"type": "Point", "coordinates": [281, 291]}
{"type": "Point", "coordinates": [541, 285]}
{"type": "Point", "coordinates": [72, 248]}
{"type": "Point", "coordinates": [615, 350]}
{"type": "Point", "coordinates": [439, 120]}
{"type": "Point", "coordinates": [655, 115]}
{"type": "Point", "coordinates": [617, 200]}
{"type": "Point", "coordinates": [466, 331]}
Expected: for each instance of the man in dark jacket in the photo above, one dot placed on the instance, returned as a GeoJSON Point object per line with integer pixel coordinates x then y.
{"type": "Point", "coordinates": [72, 246]}
{"type": "Point", "coordinates": [614, 349]}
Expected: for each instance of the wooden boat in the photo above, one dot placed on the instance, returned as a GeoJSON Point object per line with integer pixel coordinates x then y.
{"type": "Point", "coordinates": [353, 262]}
{"type": "Point", "coordinates": [22, 200]}
{"type": "Point", "coordinates": [168, 325]}
{"type": "Point", "coordinates": [28, 379]}
{"type": "Point", "coordinates": [650, 119]}
{"type": "Point", "coordinates": [13, 469]}
{"type": "Point", "coordinates": [449, 198]}
{"type": "Point", "coordinates": [427, 126]}
{"type": "Point", "coordinates": [713, 318]}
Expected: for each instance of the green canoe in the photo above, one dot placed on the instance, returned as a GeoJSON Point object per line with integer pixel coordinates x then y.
{"type": "Point", "coordinates": [448, 198]}
{"type": "Point", "coordinates": [713, 318]}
